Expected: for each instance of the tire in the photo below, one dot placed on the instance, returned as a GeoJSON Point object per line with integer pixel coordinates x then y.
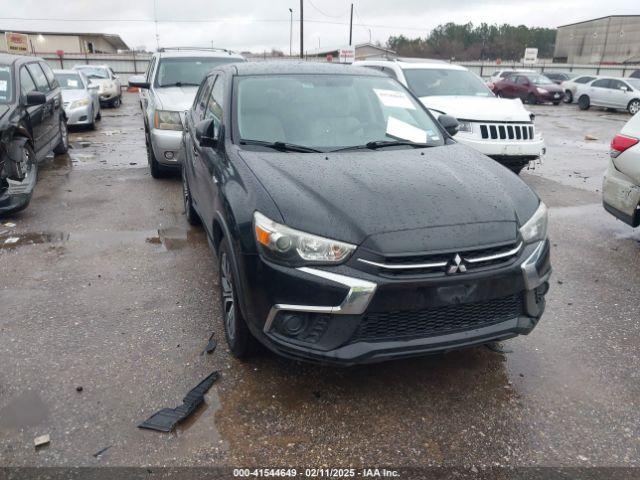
{"type": "Point", "coordinates": [240, 340]}
{"type": "Point", "coordinates": [517, 168]}
{"type": "Point", "coordinates": [92, 125]}
{"type": "Point", "coordinates": [499, 94]}
{"type": "Point", "coordinates": [99, 115]}
{"type": "Point", "coordinates": [26, 173]}
{"type": "Point", "coordinates": [192, 216]}
{"type": "Point", "coordinates": [556, 103]}
{"type": "Point", "coordinates": [531, 99]}
{"type": "Point", "coordinates": [155, 168]}
{"type": "Point", "coordinates": [568, 96]}
{"type": "Point", "coordinates": [63, 144]}
{"type": "Point", "coordinates": [584, 103]}
{"type": "Point", "coordinates": [634, 106]}
{"type": "Point", "coordinates": [116, 102]}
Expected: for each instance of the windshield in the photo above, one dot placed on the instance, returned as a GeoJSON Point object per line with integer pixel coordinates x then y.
{"type": "Point", "coordinates": [634, 82]}
{"type": "Point", "coordinates": [70, 81]}
{"type": "Point", "coordinates": [330, 112]}
{"type": "Point", "coordinates": [539, 79]}
{"type": "Point", "coordinates": [6, 84]}
{"type": "Point", "coordinates": [426, 82]}
{"type": "Point", "coordinates": [187, 71]}
{"type": "Point", "coordinates": [95, 72]}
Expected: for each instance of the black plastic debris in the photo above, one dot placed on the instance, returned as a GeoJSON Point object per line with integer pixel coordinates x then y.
{"type": "Point", "coordinates": [100, 452]}
{"type": "Point", "coordinates": [166, 419]}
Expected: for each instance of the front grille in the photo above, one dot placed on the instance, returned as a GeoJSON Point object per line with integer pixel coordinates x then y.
{"type": "Point", "coordinates": [439, 263]}
{"type": "Point", "coordinates": [506, 131]}
{"type": "Point", "coordinates": [402, 325]}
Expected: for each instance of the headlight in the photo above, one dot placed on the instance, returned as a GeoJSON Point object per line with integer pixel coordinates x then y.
{"type": "Point", "coordinates": [542, 90]}
{"type": "Point", "coordinates": [80, 103]}
{"type": "Point", "coordinates": [166, 120]}
{"type": "Point", "coordinates": [285, 245]}
{"type": "Point", "coordinates": [465, 126]}
{"type": "Point", "coordinates": [535, 229]}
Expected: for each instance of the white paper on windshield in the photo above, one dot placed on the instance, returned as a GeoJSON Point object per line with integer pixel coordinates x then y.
{"type": "Point", "coordinates": [72, 83]}
{"type": "Point", "coordinates": [3, 85]}
{"type": "Point", "coordinates": [398, 129]}
{"type": "Point", "coordinates": [394, 98]}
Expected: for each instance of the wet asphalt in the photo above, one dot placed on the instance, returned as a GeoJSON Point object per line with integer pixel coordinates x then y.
{"type": "Point", "coordinates": [110, 290]}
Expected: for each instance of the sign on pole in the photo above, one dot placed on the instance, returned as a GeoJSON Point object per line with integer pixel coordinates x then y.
{"type": "Point", "coordinates": [17, 43]}
{"type": "Point", "coordinates": [347, 54]}
{"type": "Point", "coordinates": [530, 55]}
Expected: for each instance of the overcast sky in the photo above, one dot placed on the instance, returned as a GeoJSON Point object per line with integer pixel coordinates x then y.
{"type": "Point", "coordinates": [259, 25]}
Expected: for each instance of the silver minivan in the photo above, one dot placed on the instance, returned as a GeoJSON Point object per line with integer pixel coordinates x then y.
{"type": "Point", "coordinates": [167, 91]}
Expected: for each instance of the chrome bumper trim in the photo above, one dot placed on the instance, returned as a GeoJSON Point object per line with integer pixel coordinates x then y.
{"type": "Point", "coordinates": [529, 272]}
{"type": "Point", "coordinates": [355, 302]}
{"type": "Point", "coordinates": [496, 256]}
{"type": "Point", "coordinates": [408, 266]}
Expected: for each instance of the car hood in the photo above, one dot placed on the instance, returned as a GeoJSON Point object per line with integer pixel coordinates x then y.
{"type": "Point", "coordinates": [70, 95]}
{"type": "Point", "coordinates": [177, 99]}
{"type": "Point", "coordinates": [396, 201]}
{"type": "Point", "coordinates": [478, 108]}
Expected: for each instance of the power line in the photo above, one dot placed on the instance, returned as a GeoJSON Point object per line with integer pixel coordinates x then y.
{"type": "Point", "coordinates": [323, 13]}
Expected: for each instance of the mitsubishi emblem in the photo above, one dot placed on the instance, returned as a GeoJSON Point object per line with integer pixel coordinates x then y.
{"type": "Point", "coordinates": [456, 265]}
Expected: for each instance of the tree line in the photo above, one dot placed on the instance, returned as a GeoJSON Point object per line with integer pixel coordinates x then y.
{"type": "Point", "coordinates": [476, 42]}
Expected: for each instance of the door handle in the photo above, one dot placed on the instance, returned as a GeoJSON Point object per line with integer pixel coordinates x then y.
{"type": "Point", "coordinates": [195, 151]}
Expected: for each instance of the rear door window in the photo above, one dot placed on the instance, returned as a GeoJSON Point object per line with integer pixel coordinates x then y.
{"type": "Point", "coordinates": [42, 85]}
{"type": "Point", "coordinates": [602, 83]}
{"type": "Point", "coordinates": [51, 78]}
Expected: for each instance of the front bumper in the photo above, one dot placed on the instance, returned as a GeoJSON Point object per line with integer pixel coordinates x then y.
{"type": "Point", "coordinates": [621, 196]}
{"type": "Point", "coordinates": [12, 203]}
{"type": "Point", "coordinates": [550, 97]}
{"type": "Point", "coordinates": [79, 116]}
{"type": "Point", "coordinates": [336, 307]}
{"type": "Point", "coordinates": [512, 151]}
{"type": "Point", "coordinates": [108, 94]}
{"type": "Point", "coordinates": [167, 147]}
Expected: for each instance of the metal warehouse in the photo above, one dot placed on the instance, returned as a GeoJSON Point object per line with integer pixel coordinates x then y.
{"type": "Point", "coordinates": [613, 39]}
{"type": "Point", "coordinates": [38, 43]}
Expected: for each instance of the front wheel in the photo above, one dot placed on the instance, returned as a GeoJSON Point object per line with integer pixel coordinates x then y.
{"type": "Point", "coordinates": [556, 103]}
{"type": "Point", "coordinates": [240, 340]}
{"type": "Point", "coordinates": [63, 144]}
{"type": "Point", "coordinates": [568, 96]}
{"type": "Point", "coordinates": [634, 106]}
{"type": "Point", "coordinates": [156, 169]}
{"type": "Point", "coordinates": [499, 94]}
{"type": "Point", "coordinates": [189, 211]}
{"type": "Point", "coordinates": [531, 99]}
{"type": "Point", "coordinates": [116, 102]}
{"type": "Point", "coordinates": [584, 103]}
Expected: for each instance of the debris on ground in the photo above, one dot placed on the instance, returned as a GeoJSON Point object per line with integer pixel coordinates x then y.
{"type": "Point", "coordinates": [100, 452]}
{"type": "Point", "coordinates": [41, 441]}
{"type": "Point", "coordinates": [588, 136]}
{"type": "Point", "coordinates": [9, 224]}
{"type": "Point", "coordinates": [11, 240]}
{"type": "Point", "coordinates": [497, 347]}
{"type": "Point", "coordinates": [211, 345]}
{"type": "Point", "coordinates": [79, 388]}
{"type": "Point", "coordinates": [166, 419]}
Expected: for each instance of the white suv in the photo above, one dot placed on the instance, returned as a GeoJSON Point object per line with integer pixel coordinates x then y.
{"type": "Point", "coordinates": [500, 128]}
{"type": "Point", "coordinates": [167, 91]}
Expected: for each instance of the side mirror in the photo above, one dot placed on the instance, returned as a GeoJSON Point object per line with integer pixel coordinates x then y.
{"type": "Point", "coordinates": [206, 134]}
{"type": "Point", "coordinates": [36, 98]}
{"type": "Point", "coordinates": [138, 81]}
{"type": "Point", "coordinates": [449, 123]}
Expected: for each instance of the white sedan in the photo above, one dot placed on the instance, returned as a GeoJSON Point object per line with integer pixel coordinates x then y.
{"type": "Point", "coordinates": [621, 188]}
{"type": "Point", "coordinates": [570, 86]}
{"type": "Point", "coordinates": [610, 92]}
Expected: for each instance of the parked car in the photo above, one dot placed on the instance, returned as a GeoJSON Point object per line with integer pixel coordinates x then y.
{"type": "Point", "coordinates": [502, 129]}
{"type": "Point", "coordinates": [531, 88]}
{"type": "Point", "coordinates": [168, 89]}
{"type": "Point", "coordinates": [109, 85]}
{"type": "Point", "coordinates": [80, 100]}
{"type": "Point", "coordinates": [570, 86]}
{"type": "Point", "coordinates": [502, 74]}
{"type": "Point", "coordinates": [349, 226]}
{"type": "Point", "coordinates": [609, 92]}
{"type": "Point", "coordinates": [635, 74]}
{"type": "Point", "coordinates": [32, 123]}
{"type": "Point", "coordinates": [621, 188]}
{"type": "Point", "coordinates": [557, 77]}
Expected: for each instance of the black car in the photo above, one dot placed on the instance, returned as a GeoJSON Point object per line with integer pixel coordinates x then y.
{"type": "Point", "coordinates": [349, 226]}
{"type": "Point", "coordinates": [557, 77]}
{"type": "Point", "coordinates": [32, 123]}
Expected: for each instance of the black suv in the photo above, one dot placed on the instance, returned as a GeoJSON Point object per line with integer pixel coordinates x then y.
{"type": "Point", "coordinates": [349, 226]}
{"type": "Point", "coordinates": [32, 123]}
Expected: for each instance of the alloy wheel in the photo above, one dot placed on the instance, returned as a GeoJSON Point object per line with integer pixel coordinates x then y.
{"type": "Point", "coordinates": [634, 107]}
{"type": "Point", "coordinates": [228, 304]}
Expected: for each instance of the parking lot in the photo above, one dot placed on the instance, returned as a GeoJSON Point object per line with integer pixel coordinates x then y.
{"type": "Point", "coordinates": [109, 289]}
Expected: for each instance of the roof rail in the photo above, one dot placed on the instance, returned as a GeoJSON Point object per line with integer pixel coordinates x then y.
{"type": "Point", "coordinates": [203, 49]}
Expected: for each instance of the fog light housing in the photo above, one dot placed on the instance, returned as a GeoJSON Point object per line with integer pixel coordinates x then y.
{"type": "Point", "coordinates": [301, 326]}
{"type": "Point", "coordinates": [168, 155]}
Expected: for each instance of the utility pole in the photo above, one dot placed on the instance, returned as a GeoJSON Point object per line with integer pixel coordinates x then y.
{"type": "Point", "coordinates": [351, 26]}
{"type": "Point", "coordinates": [301, 30]}
{"type": "Point", "coordinates": [290, 31]}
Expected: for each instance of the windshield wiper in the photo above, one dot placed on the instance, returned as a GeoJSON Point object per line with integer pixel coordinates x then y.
{"type": "Point", "coordinates": [180, 84]}
{"type": "Point", "coordinates": [374, 145]}
{"type": "Point", "coordinates": [281, 146]}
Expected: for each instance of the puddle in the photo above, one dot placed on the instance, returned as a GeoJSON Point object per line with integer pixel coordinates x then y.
{"type": "Point", "coordinates": [61, 162]}
{"type": "Point", "coordinates": [14, 240]}
{"type": "Point", "coordinates": [25, 410]}
{"type": "Point", "coordinates": [171, 238]}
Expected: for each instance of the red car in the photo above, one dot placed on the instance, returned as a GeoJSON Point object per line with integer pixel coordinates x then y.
{"type": "Point", "coordinates": [530, 87]}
